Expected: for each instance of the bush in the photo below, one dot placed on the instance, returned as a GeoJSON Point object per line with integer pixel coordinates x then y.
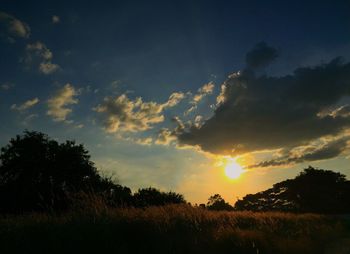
{"type": "Point", "coordinates": [153, 197]}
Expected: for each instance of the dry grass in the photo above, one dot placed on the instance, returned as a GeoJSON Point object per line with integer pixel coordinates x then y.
{"type": "Point", "coordinates": [173, 229]}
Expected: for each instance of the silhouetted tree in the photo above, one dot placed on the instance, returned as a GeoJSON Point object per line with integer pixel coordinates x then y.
{"type": "Point", "coordinates": [37, 173]}
{"type": "Point", "coordinates": [217, 203]}
{"type": "Point", "coordinates": [153, 197]}
{"type": "Point", "coordinates": [114, 195]}
{"type": "Point", "coordinates": [313, 190]}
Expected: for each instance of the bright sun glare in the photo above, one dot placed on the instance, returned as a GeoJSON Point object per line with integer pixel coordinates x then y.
{"type": "Point", "coordinates": [232, 169]}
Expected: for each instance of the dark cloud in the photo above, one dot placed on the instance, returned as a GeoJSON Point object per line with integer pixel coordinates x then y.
{"type": "Point", "coordinates": [327, 151]}
{"type": "Point", "coordinates": [261, 55]}
{"type": "Point", "coordinates": [264, 113]}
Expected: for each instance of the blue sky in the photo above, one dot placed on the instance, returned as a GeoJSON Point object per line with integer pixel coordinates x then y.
{"type": "Point", "coordinates": [76, 71]}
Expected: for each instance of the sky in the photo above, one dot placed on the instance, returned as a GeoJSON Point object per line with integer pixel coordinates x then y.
{"type": "Point", "coordinates": [168, 93]}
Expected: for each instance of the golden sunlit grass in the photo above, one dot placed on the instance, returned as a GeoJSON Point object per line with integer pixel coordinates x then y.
{"type": "Point", "coordinates": [233, 169]}
{"type": "Point", "coordinates": [173, 229]}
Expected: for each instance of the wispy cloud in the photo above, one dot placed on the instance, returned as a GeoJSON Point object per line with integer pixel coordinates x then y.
{"type": "Point", "coordinates": [26, 105]}
{"type": "Point", "coordinates": [203, 91]}
{"type": "Point", "coordinates": [58, 104]}
{"type": "Point", "coordinates": [326, 150]}
{"type": "Point", "coordinates": [174, 99]}
{"type": "Point", "coordinates": [6, 86]}
{"type": "Point", "coordinates": [29, 118]}
{"type": "Point", "coordinates": [143, 141]}
{"type": "Point", "coordinates": [56, 19]}
{"type": "Point", "coordinates": [14, 26]}
{"type": "Point", "coordinates": [38, 53]}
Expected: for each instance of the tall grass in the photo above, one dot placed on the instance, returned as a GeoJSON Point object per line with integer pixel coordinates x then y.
{"type": "Point", "coordinates": [172, 229]}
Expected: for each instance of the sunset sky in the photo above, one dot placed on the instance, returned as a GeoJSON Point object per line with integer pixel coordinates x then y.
{"type": "Point", "coordinates": [170, 93]}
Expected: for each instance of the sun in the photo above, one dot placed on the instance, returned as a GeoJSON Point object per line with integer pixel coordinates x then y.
{"type": "Point", "coordinates": [233, 170]}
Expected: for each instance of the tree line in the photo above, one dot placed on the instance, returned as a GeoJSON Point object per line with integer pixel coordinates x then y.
{"type": "Point", "coordinates": [39, 174]}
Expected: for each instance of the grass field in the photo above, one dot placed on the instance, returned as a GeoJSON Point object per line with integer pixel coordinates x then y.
{"type": "Point", "coordinates": [173, 229]}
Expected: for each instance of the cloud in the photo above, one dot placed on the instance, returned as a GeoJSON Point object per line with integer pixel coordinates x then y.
{"type": "Point", "coordinates": [256, 113]}
{"type": "Point", "coordinates": [6, 86]}
{"type": "Point", "coordinates": [260, 56]}
{"type": "Point", "coordinates": [221, 97]}
{"type": "Point", "coordinates": [144, 141]}
{"type": "Point", "coordinates": [56, 19]}
{"type": "Point", "coordinates": [116, 84]}
{"type": "Point", "coordinates": [123, 114]}
{"type": "Point", "coordinates": [79, 126]}
{"type": "Point", "coordinates": [165, 137]}
{"type": "Point", "coordinates": [174, 99]}
{"type": "Point", "coordinates": [317, 152]}
{"type": "Point", "coordinates": [48, 67]}
{"type": "Point", "coordinates": [57, 105]}
{"type": "Point", "coordinates": [342, 111]}
{"type": "Point", "coordinates": [26, 105]}
{"type": "Point", "coordinates": [13, 26]}
{"type": "Point", "coordinates": [29, 118]}
{"type": "Point", "coordinates": [198, 121]}
{"type": "Point", "coordinates": [205, 90]}
{"type": "Point", "coordinates": [38, 53]}
{"type": "Point", "coordinates": [180, 125]}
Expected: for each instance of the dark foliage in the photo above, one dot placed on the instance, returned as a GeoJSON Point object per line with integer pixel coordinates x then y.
{"type": "Point", "coordinates": [153, 197]}
{"type": "Point", "coordinates": [313, 190]}
{"type": "Point", "coordinates": [217, 203]}
{"type": "Point", "coordinates": [40, 174]}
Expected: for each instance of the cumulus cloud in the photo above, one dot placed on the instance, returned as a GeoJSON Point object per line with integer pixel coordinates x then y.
{"type": "Point", "coordinates": [58, 104]}
{"type": "Point", "coordinates": [257, 113]}
{"type": "Point", "coordinates": [38, 53]}
{"type": "Point", "coordinates": [13, 26]}
{"type": "Point", "coordinates": [123, 114]}
{"type": "Point", "coordinates": [205, 90]}
{"type": "Point", "coordinates": [26, 105]}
